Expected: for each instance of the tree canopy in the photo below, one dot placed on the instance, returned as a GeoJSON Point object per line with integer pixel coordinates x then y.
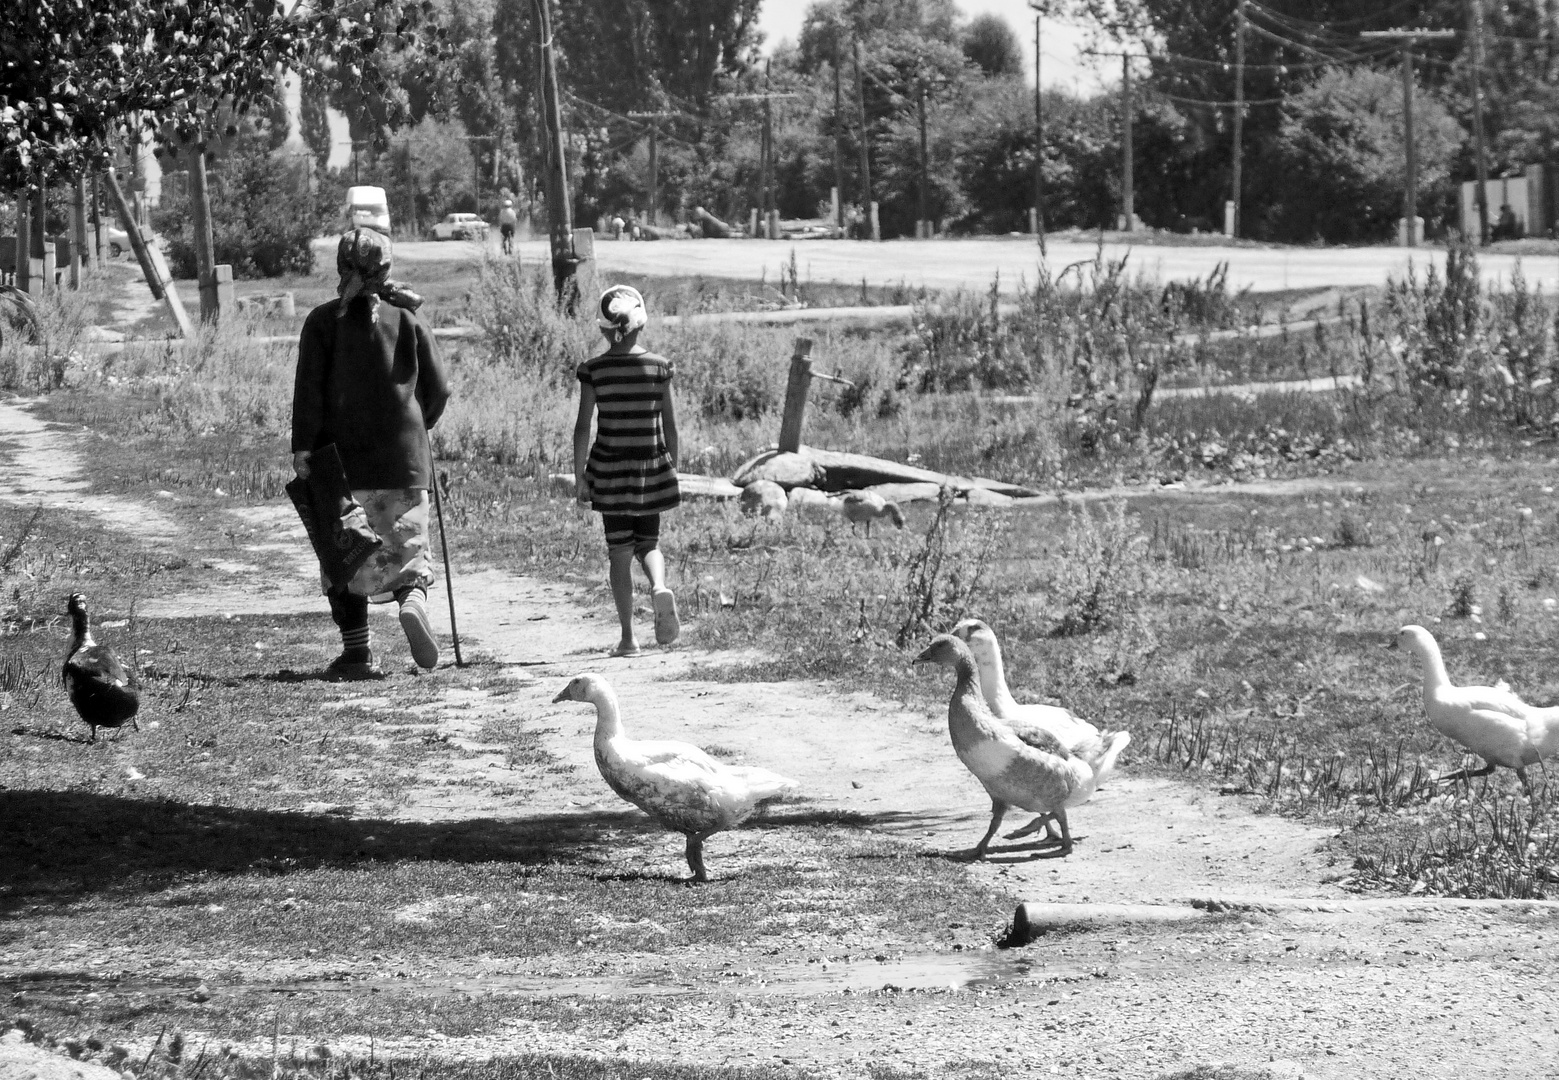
{"type": "Point", "coordinates": [78, 74]}
{"type": "Point", "coordinates": [992, 46]}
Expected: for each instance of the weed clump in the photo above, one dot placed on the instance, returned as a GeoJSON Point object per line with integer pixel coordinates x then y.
{"type": "Point", "coordinates": [1102, 570]}
{"type": "Point", "coordinates": [1464, 597]}
{"type": "Point", "coordinates": [945, 575]}
{"type": "Point", "coordinates": [1350, 532]}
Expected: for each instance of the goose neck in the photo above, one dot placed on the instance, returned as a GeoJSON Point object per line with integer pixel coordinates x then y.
{"type": "Point", "coordinates": [998, 692]}
{"type": "Point", "coordinates": [608, 721]}
{"type": "Point", "coordinates": [1435, 676]}
{"type": "Point", "coordinates": [80, 632]}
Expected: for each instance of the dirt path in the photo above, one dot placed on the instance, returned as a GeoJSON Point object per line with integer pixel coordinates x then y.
{"type": "Point", "coordinates": [1431, 993]}
{"type": "Point", "coordinates": [40, 465]}
{"type": "Point", "coordinates": [1143, 839]}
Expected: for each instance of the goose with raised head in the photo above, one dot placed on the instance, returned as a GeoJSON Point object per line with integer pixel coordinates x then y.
{"type": "Point", "coordinates": [865, 507]}
{"type": "Point", "coordinates": [1039, 776]}
{"type": "Point", "coordinates": [1489, 721]}
{"type": "Point", "coordinates": [1062, 723]}
{"type": "Point", "coordinates": [1037, 723]}
{"type": "Point", "coordinates": [676, 783]}
{"type": "Point", "coordinates": [100, 688]}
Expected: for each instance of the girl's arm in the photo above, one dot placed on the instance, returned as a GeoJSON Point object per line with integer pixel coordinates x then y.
{"type": "Point", "coordinates": [668, 421]}
{"type": "Point", "coordinates": [582, 440]}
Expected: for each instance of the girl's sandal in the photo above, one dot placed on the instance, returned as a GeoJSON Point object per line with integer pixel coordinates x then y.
{"type": "Point", "coordinates": [667, 626]}
{"type": "Point", "coordinates": [626, 653]}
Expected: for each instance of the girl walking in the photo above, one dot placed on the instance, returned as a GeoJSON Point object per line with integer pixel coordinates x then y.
{"type": "Point", "coordinates": [370, 382]}
{"type": "Point", "coordinates": [629, 474]}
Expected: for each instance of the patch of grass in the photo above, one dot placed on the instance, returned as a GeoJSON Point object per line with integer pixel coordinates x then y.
{"type": "Point", "coordinates": [175, 1057]}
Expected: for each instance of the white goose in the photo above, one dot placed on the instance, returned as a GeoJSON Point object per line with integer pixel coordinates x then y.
{"type": "Point", "coordinates": [859, 507]}
{"type": "Point", "coordinates": [1035, 723]}
{"type": "Point", "coordinates": [1014, 772]}
{"type": "Point", "coordinates": [1490, 721]}
{"type": "Point", "coordinates": [675, 783]}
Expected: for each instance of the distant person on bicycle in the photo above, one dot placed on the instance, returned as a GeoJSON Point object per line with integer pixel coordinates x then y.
{"type": "Point", "coordinates": [507, 220]}
{"type": "Point", "coordinates": [369, 381]}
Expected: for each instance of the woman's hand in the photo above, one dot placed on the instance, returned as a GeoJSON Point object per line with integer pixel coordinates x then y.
{"type": "Point", "coordinates": [300, 463]}
{"type": "Point", "coordinates": [581, 491]}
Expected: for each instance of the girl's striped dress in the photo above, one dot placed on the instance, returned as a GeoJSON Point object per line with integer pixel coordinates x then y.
{"type": "Point", "coordinates": [630, 469]}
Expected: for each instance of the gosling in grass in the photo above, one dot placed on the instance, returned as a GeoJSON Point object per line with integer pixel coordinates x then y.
{"type": "Point", "coordinates": [1490, 721]}
{"type": "Point", "coordinates": [100, 688]}
{"type": "Point", "coordinates": [1041, 777]}
{"type": "Point", "coordinates": [675, 783]}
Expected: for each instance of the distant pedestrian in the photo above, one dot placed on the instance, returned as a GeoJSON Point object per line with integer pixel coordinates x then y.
{"type": "Point", "coordinates": [369, 381]}
{"type": "Point", "coordinates": [629, 474]}
{"type": "Point", "coordinates": [1508, 227]}
{"type": "Point", "coordinates": [507, 220]}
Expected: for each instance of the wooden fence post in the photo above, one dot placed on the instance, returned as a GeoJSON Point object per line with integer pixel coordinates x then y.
{"type": "Point", "coordinates": [584, 267]}
{"type": "Point", "coordinates": [796, 397]}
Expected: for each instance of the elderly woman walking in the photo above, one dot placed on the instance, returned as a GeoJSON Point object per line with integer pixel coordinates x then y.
{"type": "Point", "coordinates": [369, 381]}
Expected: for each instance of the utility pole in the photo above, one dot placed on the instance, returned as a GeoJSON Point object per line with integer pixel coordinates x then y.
{"type": "Point", "coordinates": [1128, 215]}
{"type": "Point", "coordinates": [1233, 216]}
{"type": "Point", "coordinates": [770, 226]}
{"type": "Point", "coordinates": [653, 117]}
{"type": "Point", "coordinates": [1128, 195]}
{"type": "Point", "coordinates": [205, 241]}
{"type": "Point", "coordinates": [838, 146]}
{"type": "Point", "coordinates": [1408, 38]}
{"type": "Point", "coordinates": [923, 224]}
{"type": "Point", "coordinates": [559, 213]}
{"type": "Point", "coordinates": [868, 207]}
{"type": "Point", "coordinates": [476, 166]}
{"type": "Point", "coordinates": [78, 230]}
{"type": "Point", "coordinates": [97, 226]}
{"type": "Point", "coordinates": [1039, 135]}
{"type": "Point", "coordinates": [1410, 150]}
{"type": "Point", "coordinates": [766, 173]}
{"type": "Point", "coordinates": [1475, 24]}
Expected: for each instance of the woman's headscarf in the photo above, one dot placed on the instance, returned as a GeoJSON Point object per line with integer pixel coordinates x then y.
{"type": "Point", "coordinates": [363, 261]}
{"type": "Point", "coordinates": [622, 311]}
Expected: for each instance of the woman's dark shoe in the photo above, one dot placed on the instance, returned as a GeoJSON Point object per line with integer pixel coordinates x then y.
{"type": "Point", "coordinates": [353, 664]}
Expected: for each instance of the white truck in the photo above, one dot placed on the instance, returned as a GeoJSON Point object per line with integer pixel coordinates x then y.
{"type": "Point", "coordinates": [367, 208]}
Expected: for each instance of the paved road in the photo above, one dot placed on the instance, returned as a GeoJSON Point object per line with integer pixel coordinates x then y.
{"type": "Point", "coordinates": [971, 263]}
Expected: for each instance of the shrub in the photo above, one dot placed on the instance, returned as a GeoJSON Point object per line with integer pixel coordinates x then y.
{"type": "Point", "coordinates": [263, 220]}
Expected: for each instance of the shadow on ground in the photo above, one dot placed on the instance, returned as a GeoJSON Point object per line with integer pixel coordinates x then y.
{"type": "Point", "coordinates": [59, 846]}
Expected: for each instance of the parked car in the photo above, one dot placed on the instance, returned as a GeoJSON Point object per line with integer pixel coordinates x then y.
{"type": "Point", "coordinates": [459, 227]}
{"type": "Point", "coordinates": [116, 241]}
{"type": "Point", "coordinates": [367, 208]}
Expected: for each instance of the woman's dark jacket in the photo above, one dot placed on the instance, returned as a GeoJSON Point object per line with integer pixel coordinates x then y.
{"type": "Point", "coordinates": [372, 387]}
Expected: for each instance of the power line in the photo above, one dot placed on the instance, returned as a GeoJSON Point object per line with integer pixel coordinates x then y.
{"type": "Point", "coordinates": [1247, 103]}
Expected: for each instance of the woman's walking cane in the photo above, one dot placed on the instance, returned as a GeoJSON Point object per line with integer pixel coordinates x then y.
{"type": "Point", "coordinates": [443, 542]}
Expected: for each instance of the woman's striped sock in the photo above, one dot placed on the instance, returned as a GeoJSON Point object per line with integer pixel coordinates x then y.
{"type": "Point", "coordinates": [357, 639]}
